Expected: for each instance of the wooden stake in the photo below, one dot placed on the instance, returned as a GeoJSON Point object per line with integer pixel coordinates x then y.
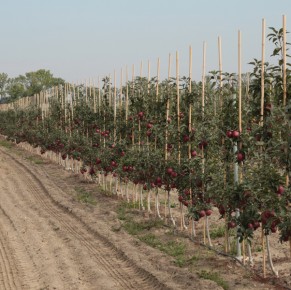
{"type": "Point", "coordinates": [86, 95]}
{"type": "Point", "coordinates": [99, 96]}
{"type": "Point", "coordinates": [284, 62]}
{"type": "Point", "coordinates": [190, 105]}
{"type": "Point", "coordinates": [140, 72]}
{"type": "Point", "coordinates": [178, 106]}
{"type": "Point", "coordinates": [263, 74]}
{"type": "Point", "coordinates": [167, 109]}
{"type": "Point", "coordinates": [203, 78]}
{"type": "Point", "coordinates": [94, 97]}
{"type": "Point", "coordinates": [220, 71]}
{"type": "Point", "coordinates": [126, 97]}
{"type": "Point", "coordinates": [264, 253]}
{"type": "Point", "coordinates": [114, 107]}
{"type": "Point", "coordinates": [120, 94]}
{"type": "Point", "coordinates": [158, 79]}
{"type": "Point", "coordinates": [239, 84]}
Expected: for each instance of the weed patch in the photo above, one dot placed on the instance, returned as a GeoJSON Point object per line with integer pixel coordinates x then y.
{"type": "Point", "coordinates": [214, 276]}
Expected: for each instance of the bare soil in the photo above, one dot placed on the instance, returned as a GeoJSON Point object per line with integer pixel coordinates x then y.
{"type": "Point", "coordinates": [52, 238]}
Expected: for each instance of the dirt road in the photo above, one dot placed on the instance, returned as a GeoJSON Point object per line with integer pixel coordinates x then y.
{"type": "Point", "coordinates": [45, 244]}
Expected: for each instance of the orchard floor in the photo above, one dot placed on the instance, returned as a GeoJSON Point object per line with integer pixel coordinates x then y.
{"type": "Point", "coordinates": [58, 231]}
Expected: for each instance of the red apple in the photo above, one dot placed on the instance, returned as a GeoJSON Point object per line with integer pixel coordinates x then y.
{"type": "Point", "coordinates": [280, 190]}
{"type": "Point", "coordinates": [229, 133]}
{"type": "Point", "coordinates": [174, 174]}
{"type": "Point", "coordinates": [231, 224]}
{"type": "Point", "coordinates": [235, 134]}
{"type": "Point", "coordinates": [256, 225]}
{"type": "Point", "coordinates": [240, 157]}
{"type": "Point", "coordinates": [187, 192]}
{"type": "Point", "coordinates": [186, 138]}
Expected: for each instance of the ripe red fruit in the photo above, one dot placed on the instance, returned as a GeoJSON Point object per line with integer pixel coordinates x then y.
{"type": "Point", "coordinates": [180, 198]}
{"type": "Point", "coordinates": [280, 190]}
{"type": "Point", "coordinates": [231, 224]}
{"type": "Point", "coordinates": [229, 133]}
{"type": "Point", "coordinates": [64, 156]}
{"type": "Point", "coordinates": [122, 153]}
{"type": "Point", "coordinates": [140, 114]}
{"type": "Point", "coordinates": [240, 157]}
{"type": "Point", "coordinates": [92, 171]}
{"type": "Point", "coordinates": [250, 226]}
{"type": "Point", "coordinates": [186, 138]}
{"type": "Point", "coordinates": [193, 153]}
{"type": "Point", "coordinates": [158, 179]}
{"type": "Point", "coordinates": [221, 210]}
{"type": "Point", "coordinates": [273, 229]}
{"type": "Point", "coordinates": [208, 212]}
{"type": "Point", "coordinates": [185, 203]}
{"type": "Point", "coordinates": [145, 187]}
{"type": "Point", "coordinates": [113, 163]}
{"type": "Point", "coordinates": [202, 213]}
{"type": "Point", "coordinates": [235, 134]}
{"type": "Point", "coordinates": [98, 161]}
{"type": "Point", "coordinates": [169, 170]}
{"type": "Point", "coordinates": [187, 192]}
{"type": "Point", "coordinates": [149, 125]}
{"type": "Point", "coordinates": [174, 174]}
{"type": "Point", "coordinates": [256, 225]}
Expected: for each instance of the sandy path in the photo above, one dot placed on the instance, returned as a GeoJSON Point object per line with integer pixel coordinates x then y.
{"type": "Point", "coordinates": [44, 246]}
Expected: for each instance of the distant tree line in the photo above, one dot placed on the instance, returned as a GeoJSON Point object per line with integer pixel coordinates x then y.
{"type": "Point", "coordinates": [29, 84]}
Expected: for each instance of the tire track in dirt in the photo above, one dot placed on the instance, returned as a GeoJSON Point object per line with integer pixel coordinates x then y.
{"type": "Point", "coordinates": [59, 264]}
{"type": "Point", "coordinates": [115, 263]}
{"type": "Point", "coordinates": [12, 252]}
{"type": "Point", "coordinates": [32, 235]}
{"type": "Point", "coordinates": [8, 268]}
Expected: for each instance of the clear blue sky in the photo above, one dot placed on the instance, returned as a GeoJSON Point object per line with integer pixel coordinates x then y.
{"type": "Point", "coordinates": [82, 39]}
